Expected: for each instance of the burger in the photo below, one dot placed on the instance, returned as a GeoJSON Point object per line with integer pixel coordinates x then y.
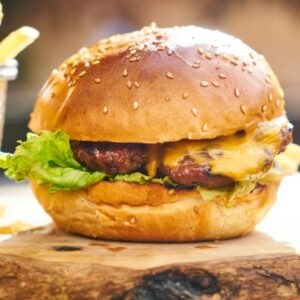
{"type": "Point", "coordinates": [168, 135]}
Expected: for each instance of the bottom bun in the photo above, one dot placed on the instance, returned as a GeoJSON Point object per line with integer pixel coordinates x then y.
{"type": "Point", "coordinates": [182, 216]}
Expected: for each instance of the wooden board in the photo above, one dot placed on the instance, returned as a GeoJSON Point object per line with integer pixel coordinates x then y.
{"type": "Point", "coordinates": [47, 263]}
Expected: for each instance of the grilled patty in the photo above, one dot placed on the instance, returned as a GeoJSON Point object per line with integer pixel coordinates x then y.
{"type": "Point", "coordinates": [189, 173]}
{"type": "Point", "coordinates": [112, 158]}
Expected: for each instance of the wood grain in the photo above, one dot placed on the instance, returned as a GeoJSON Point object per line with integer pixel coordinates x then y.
{"type": "Point", "coordinates": [274, 277]}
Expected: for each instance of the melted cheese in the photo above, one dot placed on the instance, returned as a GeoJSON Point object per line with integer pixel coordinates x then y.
{"type": "Point", "coordinates": [241, 157]}
{"type": "Point", "coordinates": [153, 159]}
{"type": "Point", "coordinates": [286, 163]}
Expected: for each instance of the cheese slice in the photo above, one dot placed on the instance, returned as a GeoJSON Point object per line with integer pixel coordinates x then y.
{"type": "Point", "coordinates": [244, 156]}
{"type": "Point", "coordinates": [153, 159]}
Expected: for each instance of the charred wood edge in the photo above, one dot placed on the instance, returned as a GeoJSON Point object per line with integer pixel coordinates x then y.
{"type": "Point", "coordinates": [272, 276]}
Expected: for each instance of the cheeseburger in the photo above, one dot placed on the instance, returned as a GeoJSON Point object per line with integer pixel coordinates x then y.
{"type": "Point", "coordinates": [176, 134]}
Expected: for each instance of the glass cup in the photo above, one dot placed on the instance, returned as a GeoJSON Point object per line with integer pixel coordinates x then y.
{"type": "Point", "coordinates": [8, 71]}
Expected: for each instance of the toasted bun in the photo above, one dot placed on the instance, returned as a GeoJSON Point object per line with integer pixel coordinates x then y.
{"type": "Point", "coordinates": [133, 212]}
{"type": "Point", "coordinates": [159, 85]}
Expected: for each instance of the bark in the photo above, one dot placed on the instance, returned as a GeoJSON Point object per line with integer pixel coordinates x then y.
{"type": "Point", "coordinates": [269, 277]}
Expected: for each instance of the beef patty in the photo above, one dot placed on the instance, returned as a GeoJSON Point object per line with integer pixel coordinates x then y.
{"type": "Point", "coordinates": [112, 158]}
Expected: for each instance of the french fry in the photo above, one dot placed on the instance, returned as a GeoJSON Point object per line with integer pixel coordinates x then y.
{"type": "Point", "coordinates": [1, 13]}
{"type": "Point", "coordinates": [17, 41]}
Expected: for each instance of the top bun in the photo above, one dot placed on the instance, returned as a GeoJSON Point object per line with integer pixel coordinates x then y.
{"type": "Point", "coordinates": [159, 85]}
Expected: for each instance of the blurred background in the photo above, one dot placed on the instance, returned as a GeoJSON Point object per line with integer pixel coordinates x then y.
{"type": "Point", "coordinates": [270, 27]}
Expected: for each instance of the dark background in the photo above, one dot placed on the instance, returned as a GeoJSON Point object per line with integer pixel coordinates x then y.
{"type": "Point", "coordinates": [270, 27]}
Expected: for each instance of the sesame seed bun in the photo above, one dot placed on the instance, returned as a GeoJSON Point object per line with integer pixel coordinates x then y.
{"type": "Point", "coordinates": [109, 211]}
{"type": "Point", "coordinates": [159, 85]}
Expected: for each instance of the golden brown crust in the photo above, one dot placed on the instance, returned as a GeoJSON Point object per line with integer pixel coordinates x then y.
{"type": "Point", "coordinates": [159, 85]}
{"type": "Point", "coordinates": [188, 218]}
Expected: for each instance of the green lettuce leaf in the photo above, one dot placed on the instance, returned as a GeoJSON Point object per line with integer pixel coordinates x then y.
{"type": "Point", "coordinates": [48, 159]}
{"type": "Point", "coordinates": [240, 189]}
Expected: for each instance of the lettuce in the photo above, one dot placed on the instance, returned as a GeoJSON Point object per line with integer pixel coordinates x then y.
{"type": "Point", "coordinates": [48, 159]}
{"type": "Point", "coordinates": [240, 189]}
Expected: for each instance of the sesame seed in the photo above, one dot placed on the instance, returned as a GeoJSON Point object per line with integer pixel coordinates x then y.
{"type": "Point", "coordinates": [208, 56]}
{"type": "Point", "coordinates": [128, 56]}
{"type": "Point", "coordinates": [254, 63]}
{"type": "Point", "coordinates": [82, 50]}
{"type": "Point", "coordinates": [281, 93]}
{"type": "Point", "coordinates": [222, 76]}
{"type": "Point", "coordinates": [270, 97]}
{"type": "Point", "coordinates": [226, 57]}
{"type": "Point", "coordinates": [236, 92]}
{"type": "Point", "coordinates": [204, 83]}
{"type": "Point", "coordinates": [170, 52]}
{"type": "Point", "coordinates": [205, 127]}
{"type": "Point", "coordinates": [132, 44]}
{"type": "Point", "coordinates": [97, 80]}
{"type": "Point", "coordinates": [215, 83]}
{"type": "Point", "coordinates": [73, 71]}
{"type": "Point", "coordinates": [196, 209]}
{"type": "Point", "coordinates": [278, 102]}
{"type": "Point", "coordinates": [268, 80]}
{"type": "Point", "coordinates": [95, 62]}
{"type": "Point", "coordinates": [167, 99]}
{"type": "Point", "coordinates": [189, 135]}
{"type": "Point", "coordinates": [196, 65]}
{"type": "Point", "coordinates": [129, 84]}
{"type": "Point", "coordinates": [234, 62]}
{"type": "Point", "coordinates": [135, 105]}
{"type": "Point", "coordinates": [159, 35]}
{"type": "Point", "coordinates": [243, 109]}
{"type": "Point", "coordinates": [105, 110]}
{"type": "Point", "coordinates": [138, 58]}
{"type": "Point", "coordinates": [218, 67]}
{"type": "Point", "coordinates": [245, 63]}
{"type": "Point", "coordinates": [250, 70]}
{"type": "Point", "coordinates": [161, 47]}
{"type": "Point", "coordinates": [171, 192]}
{"type": "Point", "coordinates": [251, 54]}
{"type": "Point", "coordinates": [140, 47]}
{"type": "Point", "coordinates": [194, 111]}
{"type": "Point", "coordinates": [54, 71]}
{"type": "Point", "coordinates": [264, 108]}
{"type": "Point", "coordinates": [169, 75]}
{"type": "Point", "coordinates": [125, 73]}
{"type": "Point", "coordinates": [200, 51]}
{"type": "Point", "coordinates": [134, 58]}
{"type": "Point", "coordinates": [82, 74]}
{"type": "Point", "coordinates": [156, 42]}
{"type": "Point", "coordinates": [87, 64]}
{"type": "Point", "coordinates": [132, 220]}
{"type": "Point", "coordinates": [133, 51]}
{"type": "Point", "coordinates": [185, 95]}
{"type": "Point", "coordinates": [136, 84]}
